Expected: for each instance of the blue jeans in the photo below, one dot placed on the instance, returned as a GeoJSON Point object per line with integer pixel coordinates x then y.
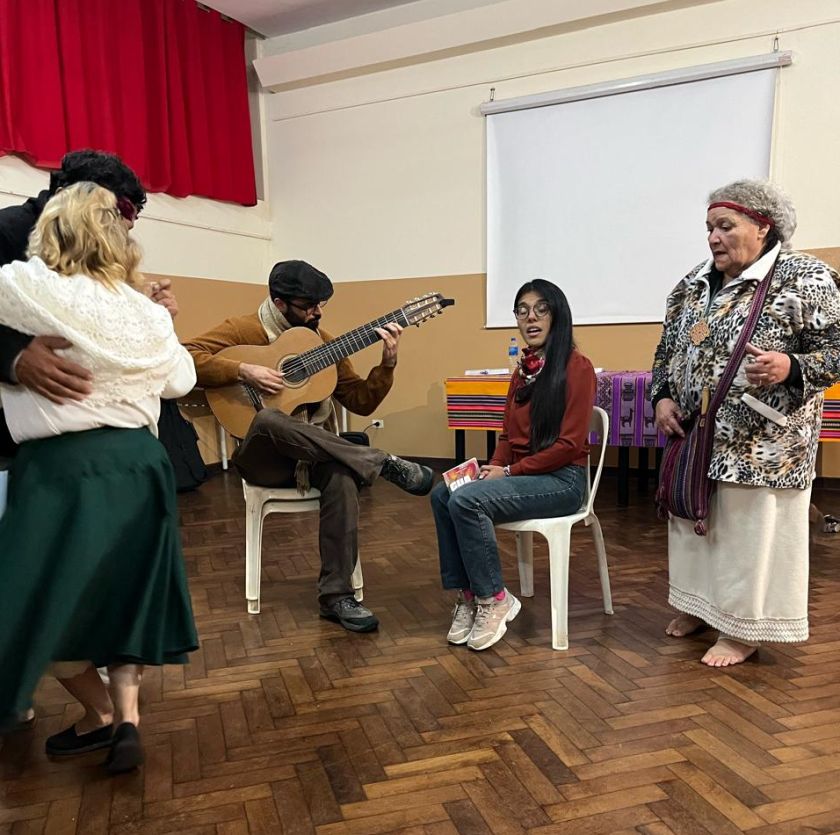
{"type": "Point", "coordinates": [469, 556]}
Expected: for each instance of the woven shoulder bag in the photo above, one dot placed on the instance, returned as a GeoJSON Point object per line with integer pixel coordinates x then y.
{"type": "Point", "coordinates": [685, 489]}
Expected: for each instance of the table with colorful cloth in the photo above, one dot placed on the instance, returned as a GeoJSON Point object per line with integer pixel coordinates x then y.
{"type": "Point", "coordinates": [478, 402]}
{"type": "Point", "coordinates": [830, 429]}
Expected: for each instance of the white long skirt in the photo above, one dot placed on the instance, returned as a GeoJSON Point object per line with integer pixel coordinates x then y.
{"type": "Point", "coordinates": [748, 577]}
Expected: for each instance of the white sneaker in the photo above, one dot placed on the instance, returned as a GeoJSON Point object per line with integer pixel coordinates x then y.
{"type": "Point", "coordinates": [463, 618]}
{"type": "Point", "coordinates": [491, 619]}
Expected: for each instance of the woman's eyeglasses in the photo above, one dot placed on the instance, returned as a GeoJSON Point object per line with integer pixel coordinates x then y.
{"type": "Point", "coordinates": [541, 310]}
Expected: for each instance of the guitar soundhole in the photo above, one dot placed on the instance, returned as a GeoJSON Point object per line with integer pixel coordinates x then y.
{"type": "Point", "coordinates": [294, 371]}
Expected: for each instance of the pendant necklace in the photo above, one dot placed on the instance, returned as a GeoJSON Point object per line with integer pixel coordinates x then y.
{"type": "Point", "coordinates": [699, 332]}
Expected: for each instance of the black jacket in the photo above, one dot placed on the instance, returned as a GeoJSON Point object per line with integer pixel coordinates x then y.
{"type": "Point", "coordinates": [16, 222]}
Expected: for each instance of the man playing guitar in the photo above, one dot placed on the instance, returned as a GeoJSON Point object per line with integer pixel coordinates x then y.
{"type": "Point", "coordinates": [304, 448]}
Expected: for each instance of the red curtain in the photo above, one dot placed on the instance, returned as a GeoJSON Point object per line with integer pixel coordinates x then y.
{"type": "Point", "coordinates": [162, 83]}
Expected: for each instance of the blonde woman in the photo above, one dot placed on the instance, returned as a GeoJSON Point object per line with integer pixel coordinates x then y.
{"type": "Point", "coordinates": [96, 573]}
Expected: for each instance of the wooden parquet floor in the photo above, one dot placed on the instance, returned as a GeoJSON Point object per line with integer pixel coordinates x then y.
{"type": "Point", "coordinates": [284, 723]}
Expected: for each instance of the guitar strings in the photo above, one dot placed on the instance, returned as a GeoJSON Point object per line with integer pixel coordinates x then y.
{"type": "Point", "coordinates": [322, 356]}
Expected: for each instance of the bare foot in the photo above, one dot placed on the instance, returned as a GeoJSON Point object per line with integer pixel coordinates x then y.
{"type": "Point", "coordinates": [683, 625]}
{"type": "Point", "coordinates": [727, 652]}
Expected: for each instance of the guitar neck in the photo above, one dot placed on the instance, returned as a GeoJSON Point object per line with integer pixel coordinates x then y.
{"type": "Point", "coordinates": [332, 352]}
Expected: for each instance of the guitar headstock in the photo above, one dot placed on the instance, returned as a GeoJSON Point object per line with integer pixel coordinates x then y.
{"type": "Point", "coordinates": [424, 307]}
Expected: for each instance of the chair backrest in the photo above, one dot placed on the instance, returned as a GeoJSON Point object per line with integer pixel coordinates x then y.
{"type": "Point", "coordinates": [599, 424]}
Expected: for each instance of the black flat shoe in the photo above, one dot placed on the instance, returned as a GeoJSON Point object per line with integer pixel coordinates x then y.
{"type": "Point", "coordinates": [126, 752]}
{"type": "Point", "coordinates": [68, 743]}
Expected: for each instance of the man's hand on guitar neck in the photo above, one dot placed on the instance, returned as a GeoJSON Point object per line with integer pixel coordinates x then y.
{"type": "Point", "coordinates": [390, 335]}
{"type": "Point", "coordinates": [265, 379]}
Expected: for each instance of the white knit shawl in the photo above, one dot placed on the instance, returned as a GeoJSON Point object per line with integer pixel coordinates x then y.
{"type": "Point", "coordinates": [123, 338]}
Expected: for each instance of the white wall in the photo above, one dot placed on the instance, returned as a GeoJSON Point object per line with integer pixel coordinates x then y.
{"type": "Point", "coordinates": [190, 236]}
{"type": "Point", "coordinates": [382, 175]}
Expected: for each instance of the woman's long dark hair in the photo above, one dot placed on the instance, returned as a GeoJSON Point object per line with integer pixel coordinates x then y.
{"type": "Point", "coordinates": [548, 392]}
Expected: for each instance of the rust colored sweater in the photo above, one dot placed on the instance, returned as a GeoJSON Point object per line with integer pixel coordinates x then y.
{"type": "Point", "coordinates": [572, 444]}
{"type": "Point", "coordinates": [357, 395]}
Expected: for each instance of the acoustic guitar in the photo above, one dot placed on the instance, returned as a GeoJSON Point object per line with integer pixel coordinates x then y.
{"type": "Point", "coordinates": [308, 364]}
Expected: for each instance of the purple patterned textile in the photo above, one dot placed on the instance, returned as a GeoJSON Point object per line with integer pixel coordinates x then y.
{"type": "Point", "coordinates": [479, 402]}
{"type": "Point", "coordinates": [625, 397]}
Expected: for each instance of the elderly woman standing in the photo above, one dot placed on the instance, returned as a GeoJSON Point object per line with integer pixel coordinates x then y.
{"type": "Point", "coordinates": [749, 577]}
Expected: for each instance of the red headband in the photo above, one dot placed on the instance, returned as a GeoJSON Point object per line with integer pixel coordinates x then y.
{"type": "Point", "coordinates": [756, 216]}
{"type": "Point", "coordinates": [127, 209]}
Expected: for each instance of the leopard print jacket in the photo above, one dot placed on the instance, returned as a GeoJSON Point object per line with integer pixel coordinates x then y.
{"type": "Point", "coordinates": [801, 316]}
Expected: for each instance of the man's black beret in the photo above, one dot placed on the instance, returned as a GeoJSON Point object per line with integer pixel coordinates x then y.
{"type": "Point", "coordinates": [298, 280]}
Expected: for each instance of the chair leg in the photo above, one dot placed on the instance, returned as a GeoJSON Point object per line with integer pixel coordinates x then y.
{"type": "Point", "coordinates": [357, 581]}
{"type": "Point", "coordinates": [223, 446]}
{"type": "Point", "coordinates": [253, 554]}
{"type": "Point", "coordinates": [603, 568]}
{"type": "Point", "coordinates": [559, 544]}
{"type": "Point", "coordinates": [525, 558]}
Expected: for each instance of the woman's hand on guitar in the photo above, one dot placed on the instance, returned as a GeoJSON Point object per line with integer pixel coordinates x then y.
{"type": "Point", "coordinates": [390, 335]}
{"type": "Point", "coordinates": [265, 379]}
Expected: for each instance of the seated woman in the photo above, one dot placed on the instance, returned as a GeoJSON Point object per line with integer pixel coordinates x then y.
{"type": "Point", "coordinates": [538, 470]}
{"type": "Point", "coordinates": [91, 525]}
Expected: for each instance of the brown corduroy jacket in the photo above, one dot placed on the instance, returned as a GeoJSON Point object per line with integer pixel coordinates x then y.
{"type": "Point", "coordinates": [357, 395]}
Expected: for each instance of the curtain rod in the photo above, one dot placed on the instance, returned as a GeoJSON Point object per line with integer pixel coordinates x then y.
{"type": "Point", "coordinates": [228, 19]}
{"type": "Point", "coordinates": [640, 82]}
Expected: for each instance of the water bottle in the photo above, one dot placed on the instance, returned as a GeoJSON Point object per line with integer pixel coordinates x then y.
{"type": "Point", "coordinates": [513, 354]}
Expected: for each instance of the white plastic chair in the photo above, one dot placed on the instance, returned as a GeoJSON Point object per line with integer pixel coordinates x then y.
{"type": "Point", "coordinates": [259, 502]}
{"type": "Point", "coordinates": [194, 405]}
{"type": "Point", "coordinates": [558, 532]}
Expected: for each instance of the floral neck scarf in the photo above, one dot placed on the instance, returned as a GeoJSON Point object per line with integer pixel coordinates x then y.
{"type": "Point", "coordinates": [530, 365]}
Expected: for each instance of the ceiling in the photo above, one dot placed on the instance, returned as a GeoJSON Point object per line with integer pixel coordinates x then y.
{"type": "Point", "coordinates": [280, 17]}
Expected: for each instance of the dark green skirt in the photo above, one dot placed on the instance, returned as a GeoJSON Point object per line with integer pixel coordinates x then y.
{"type": "Point", "coordinates": [90, 559]}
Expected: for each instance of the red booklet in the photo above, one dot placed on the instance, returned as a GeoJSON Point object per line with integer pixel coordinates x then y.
{"type": "Point", "coordinates": [458, 476]}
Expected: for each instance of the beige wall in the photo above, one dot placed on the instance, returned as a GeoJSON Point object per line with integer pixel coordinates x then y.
{"type": "Point", "coordinates": [382, 175]}
{"type": "Point", "coordinates": [414, 411]}
{"type": "Point", "coordinates": [378, 179]}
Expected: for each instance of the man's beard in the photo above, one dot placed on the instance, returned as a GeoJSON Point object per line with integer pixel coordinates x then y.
{"type": "Point", "coordinates": [298, 321]}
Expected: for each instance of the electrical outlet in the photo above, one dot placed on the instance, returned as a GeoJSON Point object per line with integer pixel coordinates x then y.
{"type": "Point", "coordinates": [378, 423]}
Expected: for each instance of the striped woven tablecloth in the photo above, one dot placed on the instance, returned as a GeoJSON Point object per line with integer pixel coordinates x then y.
{"type": "Point", "coordinates": [479, 403]}
{"type": "Point", "coordinates": [830, 430]}
{"type": "Point", "coordinates": [476, 402]}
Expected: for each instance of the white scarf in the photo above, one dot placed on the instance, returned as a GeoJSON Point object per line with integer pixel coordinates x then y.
{"type": "Point", "coordinates": [123, 338]}
{"type": "Point", "coordinates": [272, 320]}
